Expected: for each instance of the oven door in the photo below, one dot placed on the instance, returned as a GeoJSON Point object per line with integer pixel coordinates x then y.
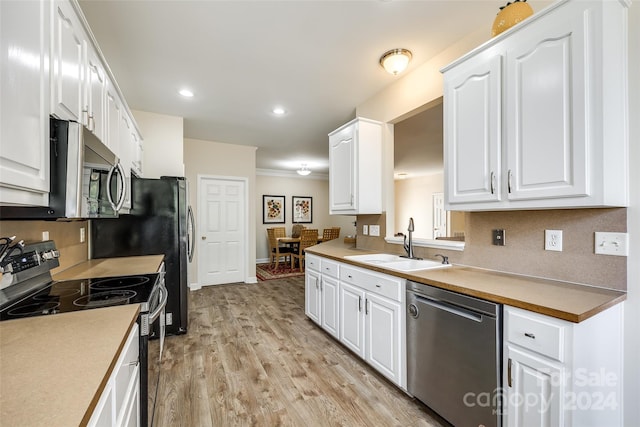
{"type": "Point", "coordinates": [149, 396]}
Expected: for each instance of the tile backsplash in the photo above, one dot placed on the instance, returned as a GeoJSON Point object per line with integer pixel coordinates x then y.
{"type": "Point", "coordinates": [66, 234]}
{"type": "Point", "coordinates": [524, 250]}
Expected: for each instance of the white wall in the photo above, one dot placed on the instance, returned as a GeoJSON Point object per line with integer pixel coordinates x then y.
{"type": "Point", "coordinates": [163, 153]}
{"type": "Point", "coordinates": [407, 205]}
{"type": "Point", "coordinates": [227, 160]}
{"type": "Point", "coordinates": [632, 305]}
{"type": "Point", "coordinates": [288, 185]}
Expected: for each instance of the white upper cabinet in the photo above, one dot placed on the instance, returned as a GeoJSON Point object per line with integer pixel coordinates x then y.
{"type": "Point", "coordinates": [24, 104]}
{"type": "Point", "coordinates": [95, 95]}
{"type": "Point", "coordinates": [355, 168]}
{"type": "Point", "coordinates": [473, 149]}
{"type": "Point", "coordinates": [528, 115]}
{"type": "Point", "coordinates": [67, 63]}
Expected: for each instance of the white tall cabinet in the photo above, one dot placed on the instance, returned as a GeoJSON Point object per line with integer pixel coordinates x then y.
{"type": "Point", "coordinates": [537, 117]}
{"type": "Point", "coordinates": [24, 104]}
{"type": "Point", "coordinates": [51, 65]}
{"type": "Point", "coordinates": [355, 168]}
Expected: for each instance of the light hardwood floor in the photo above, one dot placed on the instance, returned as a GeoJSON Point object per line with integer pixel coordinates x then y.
{"type": "Point", "coordinates": [252, 358]}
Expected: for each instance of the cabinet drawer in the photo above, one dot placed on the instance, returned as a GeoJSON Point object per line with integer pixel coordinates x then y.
{"type": "Point", "coordinates": [312, 262]}
{"type": "Point", "coordinates": [330, 268]}
{"type": "Point", "coordinates": [127, 368]}
{"type": "Point", "coordinates": [536, 332]}
{"type": "Point", "coordinates": [380, 284]}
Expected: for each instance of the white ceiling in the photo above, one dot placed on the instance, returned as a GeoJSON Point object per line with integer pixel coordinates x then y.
{"type": "Point", "coordinates": [317, 59]}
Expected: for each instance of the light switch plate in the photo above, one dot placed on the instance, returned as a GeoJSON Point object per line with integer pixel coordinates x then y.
{"type": "Point", "coordinates": [612, 243]}
{"type": "Point", "coordinates": [365, 230]}
{"type": "Point", "coordinates": [374, 230]}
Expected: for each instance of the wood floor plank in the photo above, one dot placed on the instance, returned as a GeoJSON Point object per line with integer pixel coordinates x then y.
{"type": "Point", "coordinates": [252, 358]}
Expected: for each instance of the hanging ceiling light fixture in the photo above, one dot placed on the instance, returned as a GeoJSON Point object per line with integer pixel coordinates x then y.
{"type": "Point", "coordinates": [303, 170]}
{"type": "Point", "coordinates": [395, 61]}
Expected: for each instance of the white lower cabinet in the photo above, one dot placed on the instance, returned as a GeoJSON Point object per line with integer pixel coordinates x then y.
{"type": "Point", "coordinates": [119, 404]}
{"type": "Point", "coordinates": [329, 295]}
{"type": "Point", "coordinates": [555, 376]}
{"type": "Point", "coordinates": [372, 320]}
{"type": "Point", "coordinates": [312, 294]}
{"type": "Point", "coordinates": [363, 309]}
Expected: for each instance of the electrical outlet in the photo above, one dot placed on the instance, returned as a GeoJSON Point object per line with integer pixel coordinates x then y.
{"type": "Point", "coordinates": [498, 237]}
{"type": "Point", "coordinates": [553, 240]}
{"type": "Point", "coordinates": [612, 243]}
{"type": "Point", "coordinates": [45, 236]}
{"type": "Point", "coordinates": [168, 319]}
{"type": "Point", "coordinates": [365, 230]}
{"type": "Point", "coordinates": [374, 230]}
{"type": "Point", "coordinates": [82, 235]}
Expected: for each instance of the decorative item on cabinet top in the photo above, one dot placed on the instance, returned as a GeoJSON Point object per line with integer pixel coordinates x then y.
{"type": "Point", "coordinates": [509, 15]}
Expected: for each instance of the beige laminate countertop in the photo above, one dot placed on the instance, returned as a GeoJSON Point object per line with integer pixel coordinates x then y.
{"type": "Point", "coordinates": [53, 369]}
{"type": "Point", "coordinates": [567, 301]}
{"type": "Point", "coordinates": [108, 267]}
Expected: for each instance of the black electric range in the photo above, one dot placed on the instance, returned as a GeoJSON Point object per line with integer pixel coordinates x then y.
{"type": "Point", "coordinates": [74, 295]}
{"type": "Point", "coordinates": [27, 290]}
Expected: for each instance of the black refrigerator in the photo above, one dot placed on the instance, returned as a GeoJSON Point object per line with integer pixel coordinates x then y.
{"type": "Point", "coordinates": [160, 222]}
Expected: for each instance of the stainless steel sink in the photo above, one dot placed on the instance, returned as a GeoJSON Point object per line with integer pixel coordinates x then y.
{"type": "Point", "coordinates": [396, 262]}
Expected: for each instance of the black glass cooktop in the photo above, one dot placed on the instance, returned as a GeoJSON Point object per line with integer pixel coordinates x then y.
{"type": "Point", "coordinates": [75, 295]}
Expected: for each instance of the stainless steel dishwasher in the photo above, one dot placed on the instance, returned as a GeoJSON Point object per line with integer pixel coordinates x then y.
{"type": "Point", "coordinates": [454, 355]}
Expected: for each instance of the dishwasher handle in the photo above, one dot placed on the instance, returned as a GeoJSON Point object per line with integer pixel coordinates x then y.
{"type": "Point", "coordinates": [450, 308]}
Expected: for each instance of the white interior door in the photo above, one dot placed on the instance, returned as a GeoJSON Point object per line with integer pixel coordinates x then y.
{"type": "Point", "coordinates": [222, 224]}
{"type": "Point", "coordinates": [440, 220]}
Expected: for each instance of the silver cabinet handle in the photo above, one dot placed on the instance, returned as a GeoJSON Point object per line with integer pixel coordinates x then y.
{"type": "Point", "coordinates": [509, 181]}
{"type": "Point", "coordinates": [493, 182]}
{"type": "Point", "coordinates": [366, 306]}
{"type": "Point", "coordinates": [530, 335]}
{"type": "Point", "coordinates": [359, 303]}
{"type": "Point", "coordinates": [509, 373]}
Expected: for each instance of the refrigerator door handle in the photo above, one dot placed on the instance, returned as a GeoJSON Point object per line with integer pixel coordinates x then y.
{"type": "Point", "coordinates": [191, 234]}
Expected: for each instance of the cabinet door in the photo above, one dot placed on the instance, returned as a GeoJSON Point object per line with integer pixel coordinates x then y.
{"type": "Point", "coordinates": [112, 123]}
{"type": "Point", "coordinates": [473, 137]}
{"type": "Point", "coordinates": [342, 152]}
{"type": "Point", "coordinates": [24, 104]}
{"type": "Point", "coordinates": [547, 115]}
{"type": "Point", "coordinates": [312, 295]}
{"type": "Point", "coordinates": [534, 390]}
{"type": "Point", "coordinates": [383, 339]}
{"type": "Point", "coordinates": [351, 322]}
{"type": "Point", "coordinates": [67, 63]}
{"type": "Point", "coordinates": [95, 95]}
{"type": "Point", "coordinates": [330, 305]}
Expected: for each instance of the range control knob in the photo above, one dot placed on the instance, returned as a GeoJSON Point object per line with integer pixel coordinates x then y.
{"type": "Point", "coordinates": [48, 255]}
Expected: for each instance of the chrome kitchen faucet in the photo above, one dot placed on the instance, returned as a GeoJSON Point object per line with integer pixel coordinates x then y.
{"type": "Point", "coordinates": [408, 246]}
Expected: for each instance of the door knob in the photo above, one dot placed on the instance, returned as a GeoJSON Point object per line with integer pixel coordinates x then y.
{"type": "Point", "coordinates": [204, 237]}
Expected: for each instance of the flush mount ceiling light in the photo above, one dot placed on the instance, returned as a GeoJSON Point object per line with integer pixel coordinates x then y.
{"type": "Point", "coordinates": [395, 61]}
{"type": "Point", "coordinates": [278, 111]}
{"type": "Point", "coordinates": [186, 93]}
{"type": "Point", "coordinates": [303, 170]}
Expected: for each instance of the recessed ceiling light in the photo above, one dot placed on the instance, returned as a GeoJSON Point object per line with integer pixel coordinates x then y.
{"type": "Point", "coordinates": [278, 111]}
{"type": "Point", "coordinates": [186, 93]}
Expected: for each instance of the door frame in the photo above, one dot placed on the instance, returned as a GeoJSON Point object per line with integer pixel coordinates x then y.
{"type": "Point", "coordinates": [245, 221]}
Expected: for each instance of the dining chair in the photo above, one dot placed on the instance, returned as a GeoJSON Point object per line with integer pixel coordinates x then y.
{"type": "Point", "coordinates": [308, 237]}
{"type": "Point", "coordinates": [276, 251]}
{"type": "Point", "coordinates": [330, 233]}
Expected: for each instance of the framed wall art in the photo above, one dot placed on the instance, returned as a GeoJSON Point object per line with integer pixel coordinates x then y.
{"type": "Point", "coordinates": [302, 210]}
{"type": "Point", "coordinates": [273, 209]}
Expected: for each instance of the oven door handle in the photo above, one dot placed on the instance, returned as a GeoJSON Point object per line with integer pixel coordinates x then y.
{"type": "Point", "coordinates": [164, 295]}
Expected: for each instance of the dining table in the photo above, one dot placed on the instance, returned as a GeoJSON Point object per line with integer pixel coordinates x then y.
{"type": "Point", "coordinates": [293, 241]}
